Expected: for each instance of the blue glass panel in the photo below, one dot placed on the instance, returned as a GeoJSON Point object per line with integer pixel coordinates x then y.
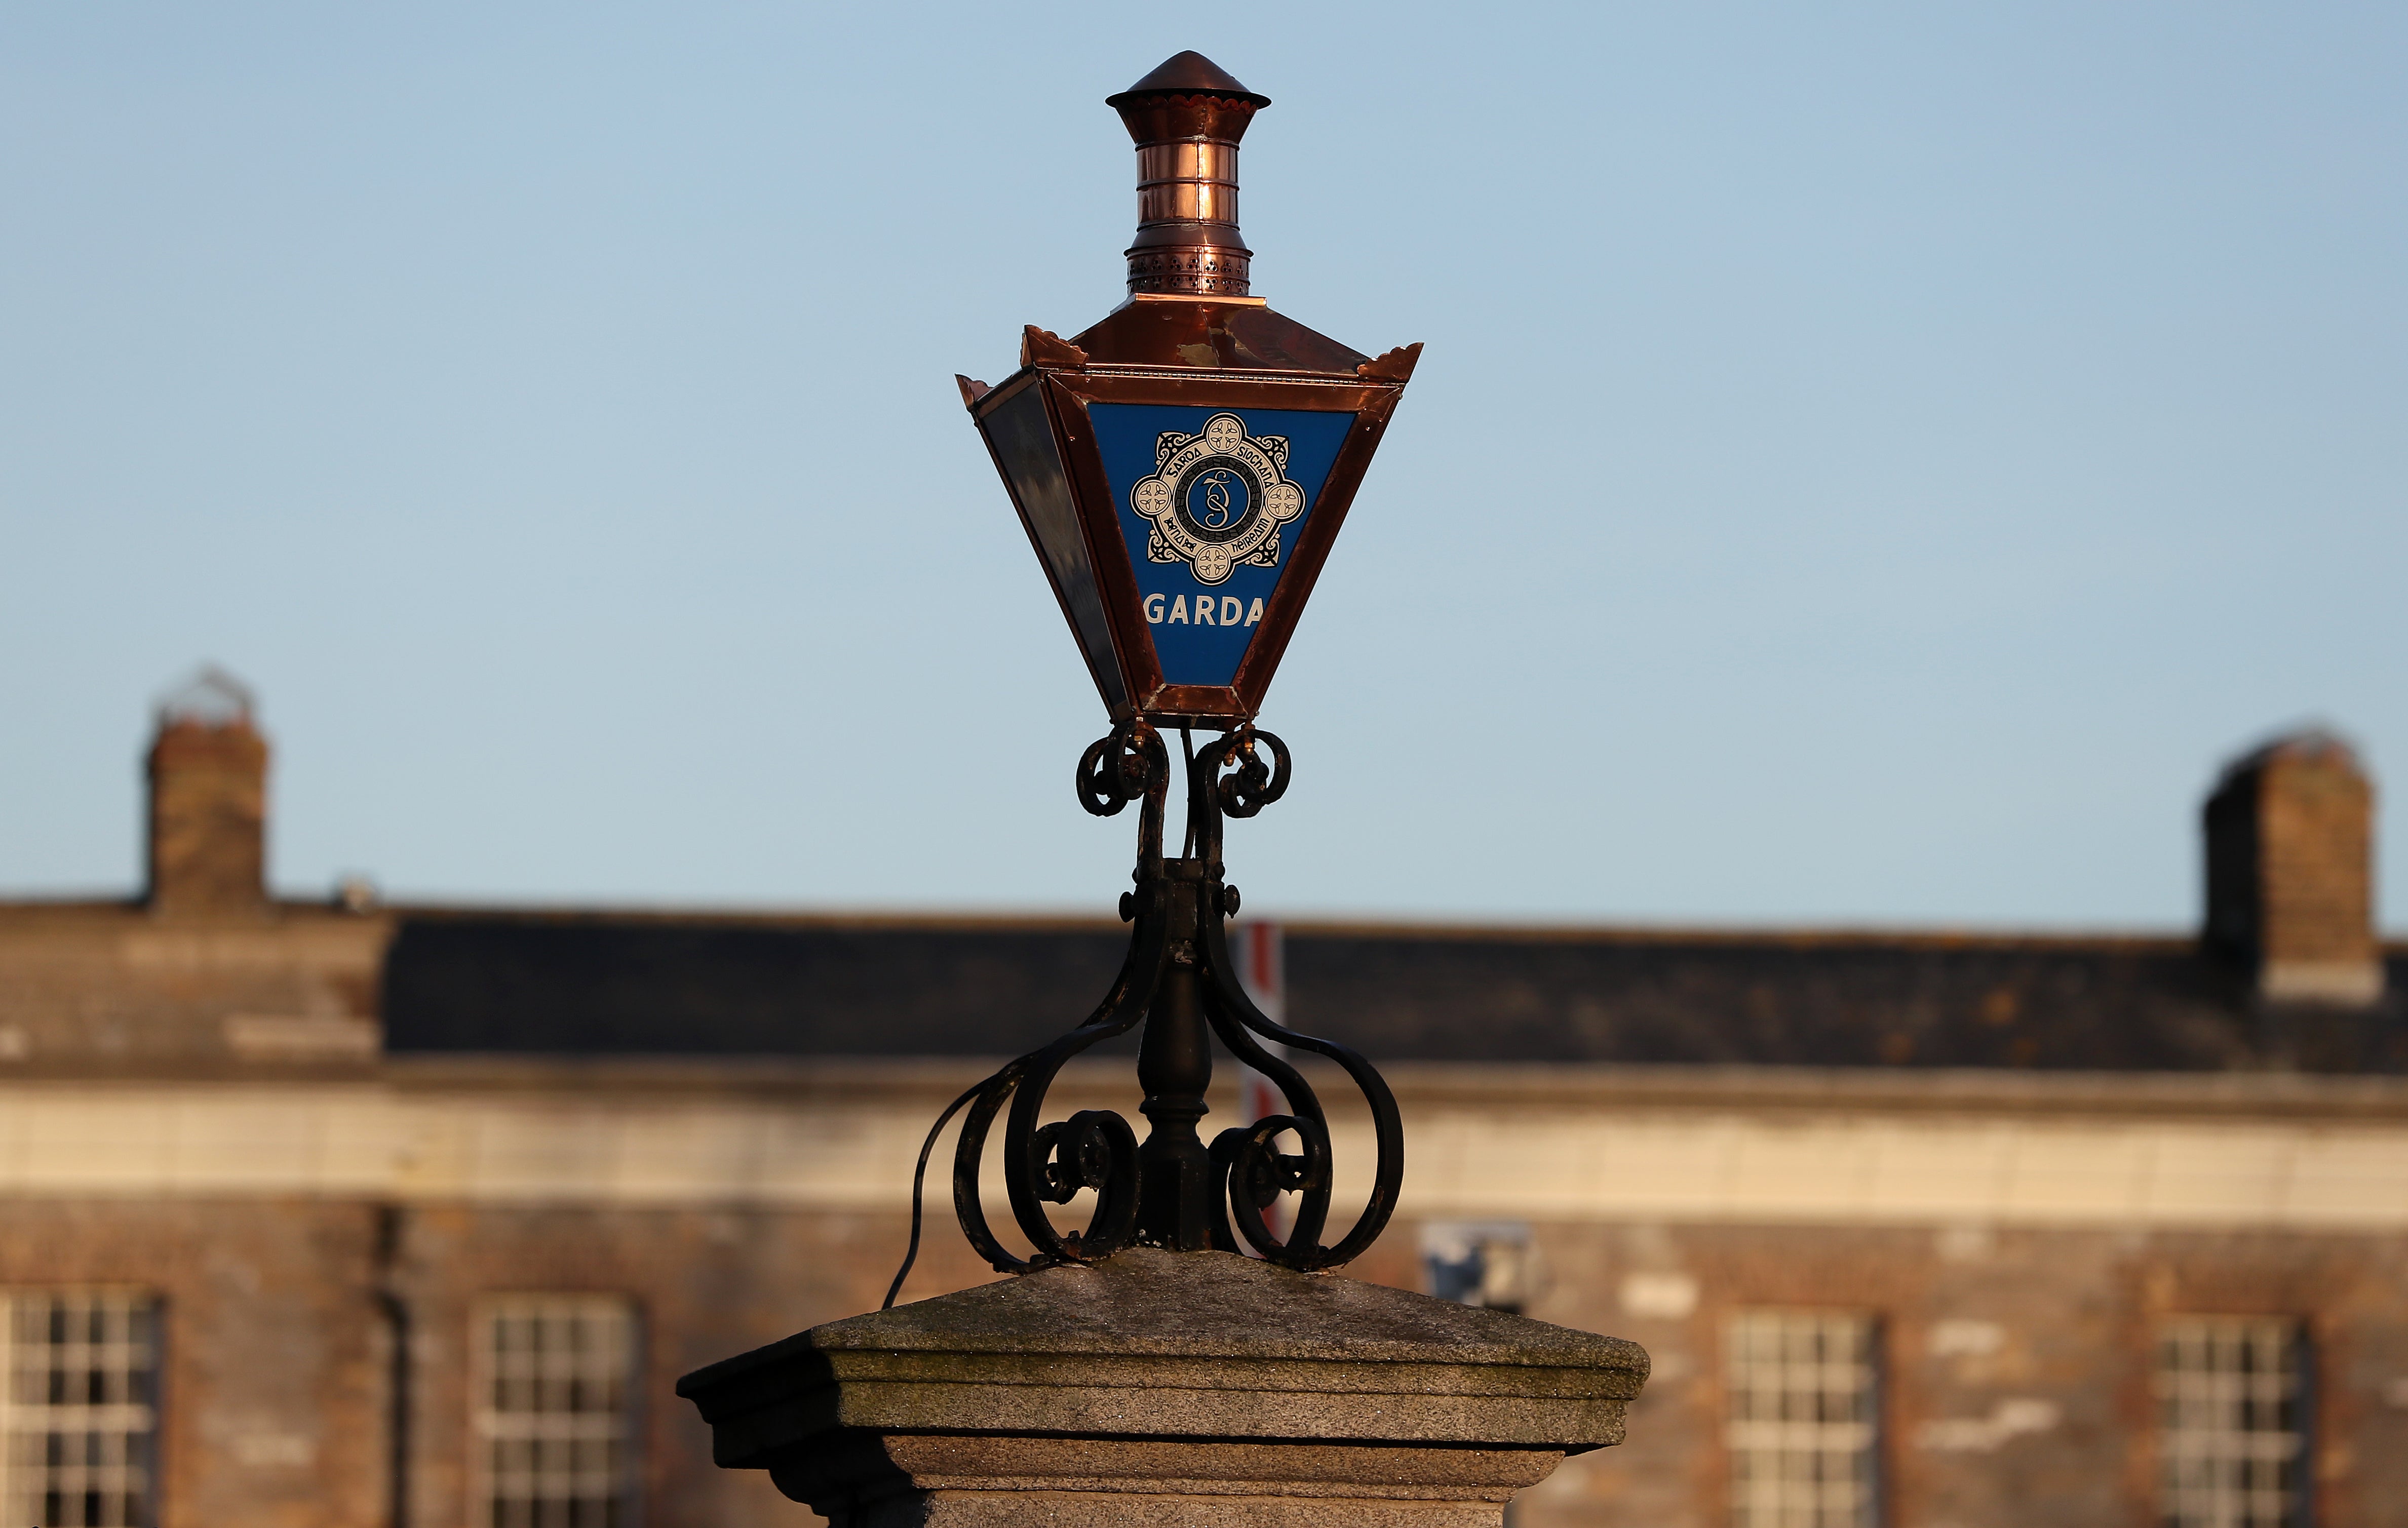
{"type": "Point", "coordinates": [1212, 502]}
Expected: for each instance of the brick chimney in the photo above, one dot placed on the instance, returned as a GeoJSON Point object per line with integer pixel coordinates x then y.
{"type": "Point", "coordinates": [2290, 876]}
{"type": "Point", "coordinates": [209, 802]}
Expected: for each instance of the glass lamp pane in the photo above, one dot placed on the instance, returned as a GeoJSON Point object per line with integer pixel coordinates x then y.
{"type": "Point", "coordinates": [1023, 446]}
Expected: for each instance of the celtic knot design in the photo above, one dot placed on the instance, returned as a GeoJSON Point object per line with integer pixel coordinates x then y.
{"type": "Point", "coordinates": [1218, 499]}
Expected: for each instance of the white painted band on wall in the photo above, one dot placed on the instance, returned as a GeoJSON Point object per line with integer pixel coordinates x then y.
{"type": "Point", "coordinates": [825, 1148]}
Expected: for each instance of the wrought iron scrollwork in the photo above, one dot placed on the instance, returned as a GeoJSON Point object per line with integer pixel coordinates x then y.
{"type": "Point", "coordinates": [1250, 785]}
{"type": "Point", "coordinates": [1180, 981]}
{"type": "Point", "coordinates": [1237, 783]}
{"type": "Point", "coordinates": [1128, 762]}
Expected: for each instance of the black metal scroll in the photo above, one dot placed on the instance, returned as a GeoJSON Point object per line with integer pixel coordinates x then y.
{"type": "Point", "coordinates": [1179, 981]}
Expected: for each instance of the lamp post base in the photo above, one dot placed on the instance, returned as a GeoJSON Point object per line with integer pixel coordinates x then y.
{"type": "Point", "coordinates": [1171, 1389]}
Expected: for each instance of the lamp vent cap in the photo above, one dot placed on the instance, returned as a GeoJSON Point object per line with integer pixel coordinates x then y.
{"type": "Point", "coordinates": [1189, 73]}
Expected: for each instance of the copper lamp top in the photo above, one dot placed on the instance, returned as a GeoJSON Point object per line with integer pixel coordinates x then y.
{"type": "Point", "coordinates": [1186, 118]}
{"type": "Point", "coordinates": [1187, 74]}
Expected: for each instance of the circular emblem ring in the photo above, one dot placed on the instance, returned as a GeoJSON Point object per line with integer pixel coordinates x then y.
{"type": "Point", "coordinates": [1217, 499]}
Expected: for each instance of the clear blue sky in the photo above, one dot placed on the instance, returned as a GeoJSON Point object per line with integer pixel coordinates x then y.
{"type": "Point", "coordinates": [1871, 463]}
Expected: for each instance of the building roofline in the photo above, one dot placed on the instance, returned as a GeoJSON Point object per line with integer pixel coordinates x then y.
{"type": "Point", "coordinates": [1797, 937]}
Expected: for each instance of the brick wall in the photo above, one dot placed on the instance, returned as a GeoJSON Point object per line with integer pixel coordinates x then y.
{"type": "Point", "coordinates": [101, 990]}
{"type": "Point", "coordinates": [2016, 1364]}
{"type": "Point", "coordinates": [271, 1372]}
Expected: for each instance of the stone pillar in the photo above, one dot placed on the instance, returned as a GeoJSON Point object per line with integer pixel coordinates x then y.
{"type": "Point", "coordinates": [1168, 1388]}
{"type": "Point", "coordinates": [2290, 878]}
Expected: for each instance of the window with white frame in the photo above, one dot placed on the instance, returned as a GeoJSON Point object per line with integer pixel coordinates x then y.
{"type": "Point", "coordinates": [554, 1413]}
{"type": "Point", "coordinates": [1804, 1420]}
{"type": "Point", "coordinates": [79, 1407]}
{"type": "Point", "coordinates": [2232, 1424]}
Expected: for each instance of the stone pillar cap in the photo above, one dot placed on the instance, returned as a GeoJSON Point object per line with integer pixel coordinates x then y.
{"type": "Point", "coordinates": [1160, 1344]}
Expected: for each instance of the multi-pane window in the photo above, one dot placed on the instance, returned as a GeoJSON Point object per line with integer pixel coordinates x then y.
{"type": "Point", "coordinates": [2231, 1424]}
{"type": "Point", "coordinates": [79, 1407]}
{"type": "Point", "coordinates": [554, 1412]}
{"type": "Point", "coordinates": [1803, 1429]}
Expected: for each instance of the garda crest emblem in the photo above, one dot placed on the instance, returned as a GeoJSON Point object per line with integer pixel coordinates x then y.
{"type": "Point", "coordinates": [1217, 500]}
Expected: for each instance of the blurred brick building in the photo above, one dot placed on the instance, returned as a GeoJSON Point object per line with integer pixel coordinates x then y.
{"type": "Point", "coordinates": [338, 1214]}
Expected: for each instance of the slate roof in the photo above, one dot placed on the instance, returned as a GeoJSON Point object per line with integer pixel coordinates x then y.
{"type": "Point", "coordinates": [602, 984]}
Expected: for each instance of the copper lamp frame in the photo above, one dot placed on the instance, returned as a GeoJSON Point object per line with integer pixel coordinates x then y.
{"type": "Point", "coordinates": [1148, 367]}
